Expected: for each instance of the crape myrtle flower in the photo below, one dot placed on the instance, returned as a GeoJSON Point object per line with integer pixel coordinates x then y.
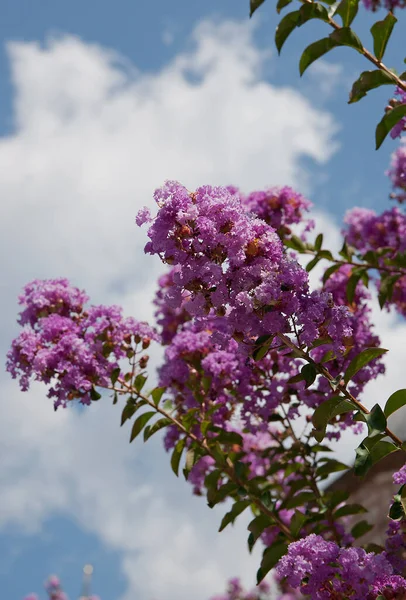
{"type": "Point", "coordinates": [71, 349]}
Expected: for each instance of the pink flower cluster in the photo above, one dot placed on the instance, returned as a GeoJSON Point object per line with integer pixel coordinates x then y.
{"type": "Point", "coordinates": [385, 236]}
{"type": "Point", "coordinates": [71, 349]}
{"type": "Point", "coordinates": [231, 263]}
{"type": "Point", "coordinates": [397, 174]}
{"type": "Point", "coordinates": [54, 591]}
{"type": "Point", "coordinates": [323, 570]}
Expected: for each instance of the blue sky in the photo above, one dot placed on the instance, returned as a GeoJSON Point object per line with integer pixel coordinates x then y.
{"type": "Point", "coordinates": [86, 136]}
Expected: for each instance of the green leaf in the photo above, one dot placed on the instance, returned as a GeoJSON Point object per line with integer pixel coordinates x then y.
{"type": "Point", "coordinates": [295, 242]}
{"type": "Point", "coordinates": [371, 451]}
{"type": "Point", "coordinates": [140, 423]}
{"type": "Point", "coordinates": [228, 489]}
{"type": "Point", "coordinates": [319, 242]}
{"type": "Point", "coordinates": [381, 32]}
{"type": "Point", "coordinates": [151, 429]}
{"type": "Point", "coordinates": [176, 455]}
{"type": "Point", "coordinates": [390, 119]}
{"type": "Point", "coordinates": [369, 80]}
{"type": "Point", "coordinates": [328, 410]}
{"type": "Point", "coordinates": [382, 449]}
{"type": "Point", "coordinates": [192, 456]}
{"type": "Point", "coordinates": [128, 411]}
{"type": "Point", "coordinates": [349, 509]}
{"type": "Point", "coordinates": [346, 37]}
{"type": "Point", "coordinates": [297, 522]}
{"type": "Point", "coordinates": [386, 288]}
{"type": "Point", "coordinates": [396, 511]}
{"type": "Point", "coordinates": [330, 466]}
{"type": "Point", "coordinates": [315, 51]}
{"type": "Point", "coordinates": [256, 527]}
{"type": "Point", "coordinates": [394, 402]}
{"type": "Point", "coordinates": [362, 359]}
{"type": "Point", "coordinates": [115, 374]}
{"type": "Point", "coordinates": [157, 394]}
{"type": "Point", "coordinates": [352, 283]}
{"type": "Point", "coordinates": [361, 529]}
{"type": "Point", "coordinates": [237, 508]}
{"type": "Point", "coordinates": [284, 29]}
{"type": "Point", "coordinates": [376, 421]}
{"type": "Point", "coordinates": [261, 346]}
{"type": "Point", "coordinates": [309, 373]}
{"type": "Point", "coordinates": [94, 395]}
{"type": "Point", "coordinates": [312, 10]}
{"type": "Point", "coordinates": [281, 4]}
{"type": "Point", "coordinates": [269, 559]}
{"type": "Point", "coordinates": [330, 271]}
{"type": "Point", "coordinates": [310, 265]}
{"type": "Point", "coordinates": [254, 4]}
{"type": "Point", "coordinates": [347, 9]}
{"type": "Point", "coordinates": [299, 500]}
{"type": "Point", "coordinates": [139, 382]}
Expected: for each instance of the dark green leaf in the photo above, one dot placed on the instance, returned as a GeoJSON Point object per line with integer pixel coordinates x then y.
{"type": "Point", "coordinates": [319, 242]}
{"type": "Point", "coordinates": [281, 4]}
{"type": "Point", "coordinates": [295, 242]}
{"type": "Point", "coordinates": [327, 411]}
{"type": "Point", "coordinates": [270, 558]}
{"type": "Point", "coordinates": [394, 402]}
{"type": "Point", "coordinates": [381, 32]}
{"type": "Point", "coordinates": [312, 10]}
{"type": "Point", "coordinates": [382, 449]}
{"type": "Point", "coordinates": [346, 37]}
{"type": "Point", "coordinates": [315, 51]}
{"type": "Point", "coordinates": [330, 271]}
{"type": "Point", "coordinates": [228, 489]}
{"type": "Point", "coordinates": [139, 382]}
{"type": "Point", "coordinates": [309, 374]}
{"type": "Point", "coordinates": [176, 455]}
{"type": "Point", "coordinates": [115, 374]}
{"type": "Point", "coordinates": [297, 522]}
{"type": "Point", "coordinates": [128, 411]}
{"type": "Point", "coordinates": [151, 429]}
{"type": "Point", "coordinates": [353, 280]}
{"type": "Point", "coordinates": [396, 511]}
{"type": "Point", "coordinates": [363, 461]}
{"type": "Point", "coordinates": [330, 466]}
{"type": "Point", "coordinates": [254, 4]}
{"type": "Point", "coordinates": [94, 395]}
{"type": "Point", "coordinates": [140, 423]}
{"type": "Point", "coordinates": [376, 421]}
{"type": "Point", "coordinates": [349, 509]}
{"type": "Point", "coordinates": [237, 508]}
{"type": "Point", "coordinates": [256, 527]}
{"type": "Point", "coordinates": [283, 31]}
{"type": "Point", "coordinates": [390, 119]}
{"type": "Point", "coordinates": [299, 500]}
{"type": "Point", "coordinates": [362, 359]}
{"type": "Point", "coordinates": [361, 529]}
{"type": "Point", "coordinates": [386, 288]}
{"type": "Point", "coordinates": [369, 80]}
{"type": "Point", "coordinates": [310, 265]}
{"type": "Point", "coordinates": [230, 437]}
{"type": "Point", "coordinates": [347, 9]}
{"type": "Point", "coordinates": [157, 394]}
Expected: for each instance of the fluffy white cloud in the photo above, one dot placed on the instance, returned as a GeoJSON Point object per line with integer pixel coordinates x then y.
{"type": "Point", "coordinates": [93, 137]}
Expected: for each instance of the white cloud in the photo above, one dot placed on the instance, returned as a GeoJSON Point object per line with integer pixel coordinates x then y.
{"type": "Point", "coordinates": [93, 138]}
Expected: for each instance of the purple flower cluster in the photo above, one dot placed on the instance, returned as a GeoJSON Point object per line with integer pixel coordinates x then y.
{"type": "Point", "coordinates": [400, 98]}
{"type": "Point", "coordinates": [397, 174]}
{"type": "Point", "coordinates": [384, 234]}
{"type": "Point", "coordinates": [71, 349]}
{"type": "Point", "coordinates": [235, 591]}
{"type": "Point", "coordinates": [278, 207]}
{"type": "Point", "coordinates": [230, 262]}
{"type": "Point", "coordinates": [395, 546]}
{"type": "Point", "coordinates": [391, 5]}
{"type": "Point", "coordinates": [399, 477]}
{"type": "Point", "coordinates": [323, 570]}
{"type": "Point", "coordinates": [54, 591]}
